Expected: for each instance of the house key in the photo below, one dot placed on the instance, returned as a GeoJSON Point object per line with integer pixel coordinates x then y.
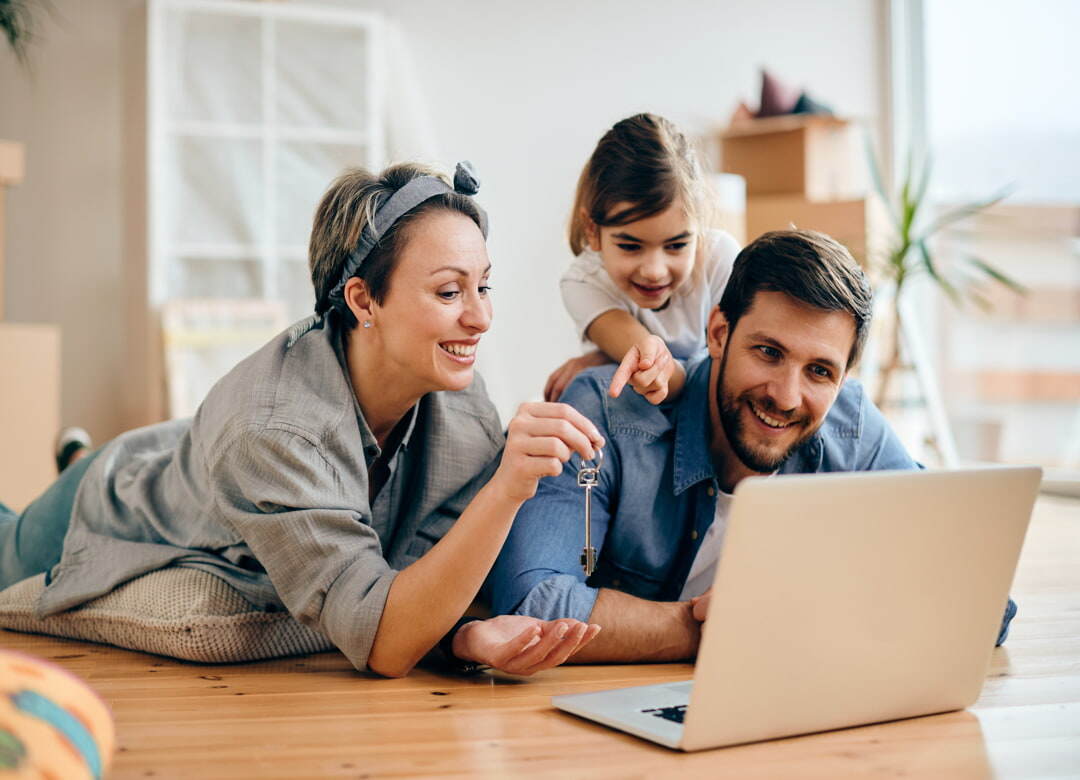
{"type": "Point", "coordinates": [587, 477]}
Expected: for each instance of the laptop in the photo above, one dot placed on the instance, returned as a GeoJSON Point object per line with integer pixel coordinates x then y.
{"type": "Point", "coordinates": [841, 600]}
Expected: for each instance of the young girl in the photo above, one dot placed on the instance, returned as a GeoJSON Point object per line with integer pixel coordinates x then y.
{"type": "Point", "coordinates": [647, 269]}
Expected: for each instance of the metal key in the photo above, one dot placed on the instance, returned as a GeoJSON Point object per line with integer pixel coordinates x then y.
{"type": "Point", "coordinates": [587, 477]}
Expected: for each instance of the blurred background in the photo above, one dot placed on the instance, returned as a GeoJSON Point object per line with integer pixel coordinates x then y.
{"type": "Point", "coordinates": [161, 159]}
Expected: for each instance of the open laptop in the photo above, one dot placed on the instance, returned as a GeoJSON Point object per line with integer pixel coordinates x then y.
{"type": "Point", "coordinates": [841, 600]}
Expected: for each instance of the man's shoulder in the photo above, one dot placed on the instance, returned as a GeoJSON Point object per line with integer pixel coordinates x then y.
{"type": "Point", "coordinates": [855, 436]}
{"type": "Point", "coordinates": [845, 418]}
{"type": "Point", "coordinates": [629, 413]}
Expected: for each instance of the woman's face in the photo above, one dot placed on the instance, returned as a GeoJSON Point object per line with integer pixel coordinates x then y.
{"type": "Point", "coordinates": [437, 306]}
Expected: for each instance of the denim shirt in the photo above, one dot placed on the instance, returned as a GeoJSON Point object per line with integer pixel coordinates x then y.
{"type": "Point", "coordinates": [656, 495]}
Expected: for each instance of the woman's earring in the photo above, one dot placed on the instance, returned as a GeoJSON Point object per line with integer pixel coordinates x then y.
{"type": "Point", "coordinates": [367, 323]}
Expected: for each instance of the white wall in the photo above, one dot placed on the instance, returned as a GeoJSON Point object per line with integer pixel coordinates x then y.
{"type": "Point", "coordinates": [524, 90]}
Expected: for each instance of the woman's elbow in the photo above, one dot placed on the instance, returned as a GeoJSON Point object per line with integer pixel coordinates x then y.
{"type": "Point", "coordinates": [391, 667]}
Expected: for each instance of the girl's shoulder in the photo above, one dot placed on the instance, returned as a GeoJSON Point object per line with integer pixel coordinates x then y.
{"type": "Point", "coordinates": [717, 257]}
{"type": "Point", "coordinates": [720, 248]}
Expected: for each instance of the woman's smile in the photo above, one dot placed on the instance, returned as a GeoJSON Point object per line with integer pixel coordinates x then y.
{"type": "Point", "coordinates": [463, 352]}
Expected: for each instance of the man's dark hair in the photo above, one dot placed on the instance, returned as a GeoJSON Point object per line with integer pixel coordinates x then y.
{"type": "Point", "coordinates": [808, 266]}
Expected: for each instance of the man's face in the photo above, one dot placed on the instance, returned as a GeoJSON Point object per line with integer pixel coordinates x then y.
{"type": "Point", "coordinates": [774, 379]}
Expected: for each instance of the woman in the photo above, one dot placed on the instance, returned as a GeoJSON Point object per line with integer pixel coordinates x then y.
{"type": "Point", "coordinates": [340, 472]}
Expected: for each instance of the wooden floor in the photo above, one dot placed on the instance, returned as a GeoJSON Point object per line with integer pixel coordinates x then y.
{"type": "Point", "coordinates": [314, 716]}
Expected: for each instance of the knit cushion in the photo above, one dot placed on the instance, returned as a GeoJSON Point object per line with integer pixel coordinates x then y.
{"type": "Point", "coordinates": [180, 612]}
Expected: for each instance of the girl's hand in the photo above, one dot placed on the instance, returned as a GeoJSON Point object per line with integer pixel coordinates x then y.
{"type": "Point", "coordinates": [562, 376]}
{"type": "Point", "coordinates": [539, 440]}
{"type": "Point", "coordinates": [647, 367]}
{"type": "Point", "coordinates": [519, 644]}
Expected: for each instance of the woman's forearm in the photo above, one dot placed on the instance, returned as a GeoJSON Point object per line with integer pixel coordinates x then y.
{"type": "Point", "coordinates": [428, 596]}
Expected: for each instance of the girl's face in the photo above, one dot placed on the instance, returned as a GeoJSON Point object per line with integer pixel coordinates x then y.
{"type": "Point", "coordinates": [648, 259]}
{"type": "Point", "coordinates": [437, 306]}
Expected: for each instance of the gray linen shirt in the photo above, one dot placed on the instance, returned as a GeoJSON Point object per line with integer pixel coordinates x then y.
{"type": "Point", "coordinates": [267, 488]}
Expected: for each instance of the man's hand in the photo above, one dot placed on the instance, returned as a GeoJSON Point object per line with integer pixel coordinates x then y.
{"type": "Point", "coordinates": [701, 605]}
{"type": "Point", "coordinates": [562, 376]}
{"type": "Point", "coordinates": [519, 644]}
{"type": "Point", "coordinates": [647, 367]}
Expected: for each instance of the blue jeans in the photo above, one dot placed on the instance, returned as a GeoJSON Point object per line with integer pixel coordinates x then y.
{"type": "Point", "coordinates": [31, 543]}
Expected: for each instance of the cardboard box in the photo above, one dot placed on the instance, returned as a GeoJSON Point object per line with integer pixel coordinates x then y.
{"type": "Point", "coordinates": [29, 410]}
{"type": "Point", "coordinates": [813, 156]}
{"type": "Point", "coordinates": [857, 224]}
{"type": "Point", "coordinates": [12, 163]}
{"type": "Point", "coordinates": [12, 169]}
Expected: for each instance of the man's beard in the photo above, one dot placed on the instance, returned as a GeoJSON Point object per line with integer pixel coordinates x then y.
{"type": "Point", "coordinates": [758, 460]}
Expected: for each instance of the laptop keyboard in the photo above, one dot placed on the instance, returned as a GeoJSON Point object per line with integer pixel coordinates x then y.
{"type": "Point", "coordinates": [676, 713]}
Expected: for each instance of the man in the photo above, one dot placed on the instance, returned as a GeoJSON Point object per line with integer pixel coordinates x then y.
{"type": "Point", "coordinates": [773, 396]}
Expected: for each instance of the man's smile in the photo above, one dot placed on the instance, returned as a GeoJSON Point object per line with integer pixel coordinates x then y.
{"type": "Point", "coordinates": [768, 420]}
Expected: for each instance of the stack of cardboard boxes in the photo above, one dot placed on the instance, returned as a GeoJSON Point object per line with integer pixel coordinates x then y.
{"type": "Point", "coordinates": [30, 390]}
{"type": "Point", "coordinates": [803, 170]}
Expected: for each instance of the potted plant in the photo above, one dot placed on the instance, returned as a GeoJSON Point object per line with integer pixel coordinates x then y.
{"type": "Point", "coordinates": [16, 23]}
{"type": "Point", "coordinates": [909, 253]}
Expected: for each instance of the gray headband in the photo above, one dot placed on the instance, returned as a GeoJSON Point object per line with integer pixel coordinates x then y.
{"type": "Point", "coordinates": [396, 206]}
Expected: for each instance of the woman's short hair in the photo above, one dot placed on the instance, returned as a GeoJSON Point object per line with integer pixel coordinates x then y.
{"type": "Point", "coordinates": [347, 207]}
{"type": "Point", "coordinates": [806, 265]}
{"type": "Point", "coordinates": [645, 161]}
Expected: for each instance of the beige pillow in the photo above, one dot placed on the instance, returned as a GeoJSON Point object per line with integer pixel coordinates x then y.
{"type": "Point", "coordinates": [180, 612]}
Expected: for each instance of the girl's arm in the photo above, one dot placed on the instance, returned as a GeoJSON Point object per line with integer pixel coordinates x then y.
{"type": "Point", "coordinates": [427, 597]}
{"type": "Point", "coordinates": [562, 376]}
{"type": "Point", "coordinates": [645, 360]}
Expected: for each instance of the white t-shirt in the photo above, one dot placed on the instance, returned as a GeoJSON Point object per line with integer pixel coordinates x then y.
{"type": "Point", "coordinates": [703, 570]}
{"type": "Point", "coordinates": [588, 292]}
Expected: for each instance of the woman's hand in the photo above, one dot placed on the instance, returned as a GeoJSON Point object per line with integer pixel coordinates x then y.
{"type": "Point", "coordinates": [562, 376]}
{"type": "Point", "coordinates": [539, 440]}
{"type": "Point", "coordinates": [700, 605]}
{"type": "Point", "coordinates": [519, 644]}
{"type": "Point", "coordinates": [648, 367]}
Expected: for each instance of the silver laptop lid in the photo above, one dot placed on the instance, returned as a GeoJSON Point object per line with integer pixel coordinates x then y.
{"type": "Point", "coordinates": [845, 599]}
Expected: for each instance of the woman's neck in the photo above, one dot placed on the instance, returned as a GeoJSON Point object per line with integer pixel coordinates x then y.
{"type": "Point", "coordinates": [384, 398]}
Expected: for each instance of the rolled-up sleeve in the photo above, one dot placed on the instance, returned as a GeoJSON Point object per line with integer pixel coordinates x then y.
{"type": "Point", "coordinates": [325, 561]}
{"type": "Point", "coordinates": [538, 572]}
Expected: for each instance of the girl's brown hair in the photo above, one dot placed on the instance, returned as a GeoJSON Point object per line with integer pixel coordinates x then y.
{"type": "Point", "coordinates": [645, 161]}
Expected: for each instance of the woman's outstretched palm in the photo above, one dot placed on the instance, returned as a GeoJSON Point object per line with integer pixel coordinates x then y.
{"type": "Point", "coordinates": [519, 644]}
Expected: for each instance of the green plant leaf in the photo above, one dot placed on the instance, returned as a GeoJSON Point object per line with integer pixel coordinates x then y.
{"type": "Point", "coordinates": [931, 268]}
{"type": "Point", "coordinates": [980, 300]}
{"type": "Point", "coordinates": [924, 183]}
{"type": "Point", "coordinates": [997, 275]}
{"type": "Point", "coordinates": [963, 212]}
{"type": "Point", "coordinates": [876, 178]}
{"type": "Point", "coordinates": [906, 210]}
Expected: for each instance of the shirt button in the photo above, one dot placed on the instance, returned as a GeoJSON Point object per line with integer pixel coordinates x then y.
{"type": "Point", "coordinates": [615, 583]}
{"type": "Point", "coordinates": [693, 535]}
{"type": "Point", "coordinates": [711, 491]}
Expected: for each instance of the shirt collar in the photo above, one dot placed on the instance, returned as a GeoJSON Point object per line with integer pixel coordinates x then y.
{"type": "Point", "coordinates": [693, 462]}
{"type": "Point", "coordinates": [367, 438]}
